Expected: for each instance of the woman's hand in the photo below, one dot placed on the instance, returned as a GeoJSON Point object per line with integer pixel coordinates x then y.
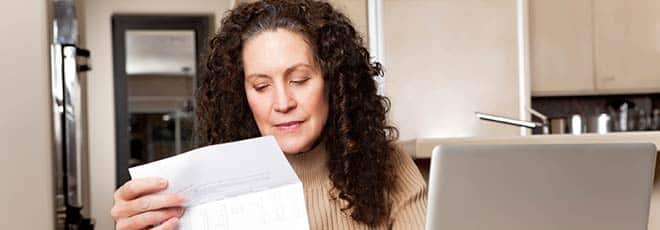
{"type": "Point", "coordinates": [137, 207]}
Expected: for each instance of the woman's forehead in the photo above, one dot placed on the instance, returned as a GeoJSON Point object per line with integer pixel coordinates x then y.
{"type": "Point", "coordinates": [272, 52]}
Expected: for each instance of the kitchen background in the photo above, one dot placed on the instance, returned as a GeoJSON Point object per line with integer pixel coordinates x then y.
{"type": "Point", "coordinates": [445, 61]}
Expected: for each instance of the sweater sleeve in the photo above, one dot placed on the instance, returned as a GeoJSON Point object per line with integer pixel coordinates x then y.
{"type": "Point", "coordinates": [409, 198]}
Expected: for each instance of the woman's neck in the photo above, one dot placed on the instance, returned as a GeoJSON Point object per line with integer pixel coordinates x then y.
{"type": "Point", "coordinates": [311, 166]}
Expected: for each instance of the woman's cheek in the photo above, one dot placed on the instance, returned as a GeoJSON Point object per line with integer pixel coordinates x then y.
{"type": "Point", "coordinates": [259, 107]}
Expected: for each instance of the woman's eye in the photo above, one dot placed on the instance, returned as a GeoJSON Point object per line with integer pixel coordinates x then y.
{"type": "Point", "coordinates": [260, 88]}
{"type": "Point", "coordinates": [301, 81]}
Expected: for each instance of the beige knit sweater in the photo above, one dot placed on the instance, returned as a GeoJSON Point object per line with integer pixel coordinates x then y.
{"type": "Point", "coordinates": [409, 199]}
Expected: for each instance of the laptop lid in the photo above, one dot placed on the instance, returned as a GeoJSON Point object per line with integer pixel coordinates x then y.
{"type": "Point", "coordinates": [540, 186]}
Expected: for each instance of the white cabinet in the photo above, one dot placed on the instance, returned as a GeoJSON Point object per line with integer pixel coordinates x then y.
{"type": "Point", "coordinates": [561, 47]}
{"type": "Point", "coordinates": [627, 45]}
{"type": "Point", "coordinates": [581, 47]}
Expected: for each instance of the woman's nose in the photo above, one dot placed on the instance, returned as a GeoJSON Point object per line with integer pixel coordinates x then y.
{"type": "Point", "coordinates": [283, 101]}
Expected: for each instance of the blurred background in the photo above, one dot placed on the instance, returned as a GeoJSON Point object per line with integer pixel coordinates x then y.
{"type": "Point", "coordinates": [93, 87]}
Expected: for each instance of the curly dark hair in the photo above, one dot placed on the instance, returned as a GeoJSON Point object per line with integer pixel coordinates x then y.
{"type": "Point", "coordinates": [357, 135]}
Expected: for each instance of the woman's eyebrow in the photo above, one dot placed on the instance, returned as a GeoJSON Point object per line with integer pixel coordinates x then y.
{"type": "Point", "coordinates": [257, 75]}
{"type": "Point", "coordinates": [286, 72]}
{"type": "Point", "coordinates": [296, 66]}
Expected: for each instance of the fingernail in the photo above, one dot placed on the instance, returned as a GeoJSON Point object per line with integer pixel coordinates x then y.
{"type": "Point", "coordinates": [162, 182]}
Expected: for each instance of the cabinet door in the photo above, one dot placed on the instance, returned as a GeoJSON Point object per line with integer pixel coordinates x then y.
{"type": "Point", "coordinates": [561, 47]}
{"type": "Point", "coordinates": [627, 45]}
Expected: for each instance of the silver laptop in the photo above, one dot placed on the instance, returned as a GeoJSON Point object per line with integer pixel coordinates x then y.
{"type": "Point", "coordinates": [542, 186]}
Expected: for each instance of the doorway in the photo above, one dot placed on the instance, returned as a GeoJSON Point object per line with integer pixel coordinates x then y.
{"type": "Point", "coordinates": [156, 67]}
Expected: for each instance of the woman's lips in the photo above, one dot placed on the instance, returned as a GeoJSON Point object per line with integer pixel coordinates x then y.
{"type": "Point", "coordinates": [288, 126]}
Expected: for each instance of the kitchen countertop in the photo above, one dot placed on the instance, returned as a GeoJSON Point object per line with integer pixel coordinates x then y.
{"type": "Point", "coordinates": [421, 148]}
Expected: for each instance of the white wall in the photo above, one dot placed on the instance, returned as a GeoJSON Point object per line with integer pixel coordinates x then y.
{"type": "Point", "coordinates": [26, 196]}
{"type": "Point", "coordinates": [356, 10]}
{"type": "Point", "coordinates": [446, 59]}
{"type": "Point", "coordinates": [100, 86]}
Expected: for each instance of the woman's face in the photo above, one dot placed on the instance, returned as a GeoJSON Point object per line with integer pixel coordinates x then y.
{"type": "Point", "coordinates": [285, 89]}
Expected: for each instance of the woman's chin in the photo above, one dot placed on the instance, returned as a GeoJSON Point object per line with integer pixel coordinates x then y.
{"type": "Point", "coordinates": [292, 145]}
{"type": "Point", "coordinates": [292, 149]}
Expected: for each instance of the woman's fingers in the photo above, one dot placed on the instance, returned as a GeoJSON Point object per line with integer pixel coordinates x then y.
{"type": "Point", "coordinates": [136, 207]}
{"type": "Point", "coordinates": [152, 218]}
{"type": "Point", "coordinates": [171, 224]}
{"type": "Point", "coordinates": [135, 188]}
{"type": "Point", "coordinates": [146, 203]}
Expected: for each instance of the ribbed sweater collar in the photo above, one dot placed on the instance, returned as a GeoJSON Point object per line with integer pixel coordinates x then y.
{"type": "Point", "coordinates": [311, 167]}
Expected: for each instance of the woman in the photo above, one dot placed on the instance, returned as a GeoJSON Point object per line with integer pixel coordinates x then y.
{"type": "Point", "coordinates": [297, 70]}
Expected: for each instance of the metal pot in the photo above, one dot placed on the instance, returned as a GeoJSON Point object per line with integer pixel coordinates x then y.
{"type": "Point", "coordinates": [558, 125]}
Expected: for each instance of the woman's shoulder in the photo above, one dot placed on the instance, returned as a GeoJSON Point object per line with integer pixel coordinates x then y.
{"type": "Point", "coordinates": [409, 180]}
{"type": "Point", "coordinates": [410, 195]}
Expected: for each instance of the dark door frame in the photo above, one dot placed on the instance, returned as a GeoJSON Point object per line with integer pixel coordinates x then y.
{"type": "Point", "coordinates": [120, 24]}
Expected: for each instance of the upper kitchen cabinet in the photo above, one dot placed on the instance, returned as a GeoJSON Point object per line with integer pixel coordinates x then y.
{"type": "Point", "coordinates": [586, 47]}
{"type": "Point", "coordinates": [627, 45]}
{"type": "Point", "coordinates": [561, 47]}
